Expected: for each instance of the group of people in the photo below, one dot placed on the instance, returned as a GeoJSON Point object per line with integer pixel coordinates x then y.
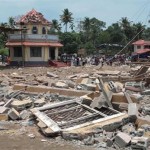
{"type": "Point", "coordinates": [98, 60]}
{"type": "Point", "coordinates": [81, 61]}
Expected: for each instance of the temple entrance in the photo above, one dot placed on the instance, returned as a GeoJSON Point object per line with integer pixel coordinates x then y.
{"type": "Point", "coordinates": [52, 53]}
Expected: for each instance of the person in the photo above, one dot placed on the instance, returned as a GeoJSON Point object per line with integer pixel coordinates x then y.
{"type": "Point", "coordinates": [2, 59]}
{"type": "Point", "coordinates": [96, 61]}
{"type": "Point", "coordinates": [102, 61]}
{"type": "Point", "coordinates": [77, 61]}
{"type": "Point", "coordinates": [8, 60]}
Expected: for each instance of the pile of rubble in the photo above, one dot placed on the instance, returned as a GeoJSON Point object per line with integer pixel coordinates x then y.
{"type": "Point", "coordinates": [105, 109]}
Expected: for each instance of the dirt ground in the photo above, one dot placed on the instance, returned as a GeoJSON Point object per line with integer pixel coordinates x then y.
{"type": "Point", "coordinates": [17, 137]}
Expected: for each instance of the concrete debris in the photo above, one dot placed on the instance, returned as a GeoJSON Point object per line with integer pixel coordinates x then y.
{"type": "Point", "coordinates": [132, 109]}
{"type": "Point", "coordinates": [13, 114]}
{"type": "Point", "coordinates": [122, 139]}
{"type": "Point", "coordinates": [20, 105]}
{"type": "Point", "coordinates": [24, 114]}
{"type": "Point", "coordinates": [32, 136]}
{"type": "Point", "coordinates": [105, 109]}
{"type": "Point", "coordinates": [49, 74]}
{"type": "Point", "coordinates": [142, 143]}
{"type": "Point", "coordinates": [146, 109]}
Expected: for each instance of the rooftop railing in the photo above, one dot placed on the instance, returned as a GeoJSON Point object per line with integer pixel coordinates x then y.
{"type": "Point", "coordinates": [33, 37]}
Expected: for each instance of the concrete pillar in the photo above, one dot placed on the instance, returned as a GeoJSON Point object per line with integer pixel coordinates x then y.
{"type": "Point", "coordinates": [56, 53]}
{"type": "Point", "coordinates": [46, 57]}
{"type": "Point", "coordinates": [11, 53]}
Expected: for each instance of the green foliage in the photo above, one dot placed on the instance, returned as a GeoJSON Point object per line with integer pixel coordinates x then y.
{"type": "Point", "coordinates": [71, 41]}
{"type": "Point", "coordinates": [4, 51]}
{"type": "Point", "coordinates": [89, 33]}
{"type": "Point", "coordinates": [66, 18]}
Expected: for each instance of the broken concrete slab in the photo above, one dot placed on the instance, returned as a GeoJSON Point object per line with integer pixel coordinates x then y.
{"type": "Point", "coordinates": [141, 121]}
{"type": "Point", "coordinates": [24, 114]}
{"type": "Point", "coordinates": [132, 109]}
{"type": "Point", "coordinates": [44, 89]}
{"type": "Point", "coordinates": [50, 74]}
{"type": "Point", "coordinates": [39, 102]}
{"type": "Point", "coordinates": [142, 143]}
{"type": "Point", "coordinates": [60, 84]}
{"type": "Point", "coordinates": [3, 109]}
{"type": "Point", "coordinates": [20, 105]}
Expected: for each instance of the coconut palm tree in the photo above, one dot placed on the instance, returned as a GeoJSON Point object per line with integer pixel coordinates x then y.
{"type": "Point", "coordinates": [56, 25]}
{"type": "Point", "coordinates": [11, 22]}
{"type": "Point", "coordinates": [66, 18]}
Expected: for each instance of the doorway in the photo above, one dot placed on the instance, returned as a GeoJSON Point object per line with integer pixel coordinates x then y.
{"type": "Point", "coordinates": [52, 53]}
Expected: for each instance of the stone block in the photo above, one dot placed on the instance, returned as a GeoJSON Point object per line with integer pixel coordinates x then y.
{"type": "Point", "coordinates": [13, 114]}
{"type": "Point", "coordinates": [24, 114]}
{"type": "Point", "coordinates": [122, 139]}
{"type": "Point", "coordinates": [3, 117]}
{"type": "Point", "coordinates": [132, 109]}
{"type": "Point", "coordinates": [60, 84]}
{"type": "Point", "coordinates": [142, 143]}
{"type": "Point", "coordinates": [39, 102]}
{"type": "Point", "coordinates": [20, 105]}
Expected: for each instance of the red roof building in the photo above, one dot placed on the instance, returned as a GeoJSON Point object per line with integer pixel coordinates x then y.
{"type": "Point", "coordinates": [141, 46]}
{"type": "Point", "coordinates": [34, 17]}
{"type": "Point", "coordinates": [32, 45]}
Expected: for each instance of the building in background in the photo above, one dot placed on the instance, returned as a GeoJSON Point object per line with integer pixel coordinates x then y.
{"type": "Point", "coordinates": [32, 45]}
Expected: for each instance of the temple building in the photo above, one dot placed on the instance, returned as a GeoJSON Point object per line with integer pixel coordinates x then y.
{"type": "Point", "coordinates": [32, 45]}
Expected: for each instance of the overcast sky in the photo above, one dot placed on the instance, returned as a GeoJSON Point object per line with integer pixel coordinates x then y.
{"type": "Point", "coordinates": [109, 11]}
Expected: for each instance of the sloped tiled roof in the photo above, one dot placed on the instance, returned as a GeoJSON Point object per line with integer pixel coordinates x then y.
{"type": "Point", "coordinates": [34, 17]}
{"type": "Point", "coordinates": [141, 42]}
{"type": "Point", "coordinates": [142, 51]}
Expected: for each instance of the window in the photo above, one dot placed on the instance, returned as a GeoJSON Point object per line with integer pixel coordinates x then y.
{"type": "Point", "coordinates": [34, 30]}
{"type": "Point", "coordinates": [138, 47]}
{"type": "Point", "coordinates": [17, 52]}
{"type": "Point", "coordinates": [35, 52]}
{"type": "Point", "coordinates": [24, 29]}
{"type": "Point", "coordinates": [147, 46]}
{"type": "Point", "coordinates": [43, 30]}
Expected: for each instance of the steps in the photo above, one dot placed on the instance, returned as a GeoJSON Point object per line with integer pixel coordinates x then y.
{"type": "Point", "coordinates": [55, 63]}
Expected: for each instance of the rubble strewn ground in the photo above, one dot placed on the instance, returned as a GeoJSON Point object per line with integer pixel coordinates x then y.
{"type": "Point", "coordinates": [75, 108]}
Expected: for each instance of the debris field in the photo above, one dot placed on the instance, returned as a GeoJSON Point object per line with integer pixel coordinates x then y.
{"type": "Point", "coordinates": [101, 108]}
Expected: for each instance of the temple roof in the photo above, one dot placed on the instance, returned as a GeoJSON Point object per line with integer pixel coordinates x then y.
{"type": "Point", "coordinates": [34, 17]}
